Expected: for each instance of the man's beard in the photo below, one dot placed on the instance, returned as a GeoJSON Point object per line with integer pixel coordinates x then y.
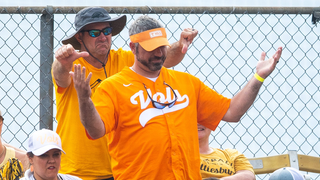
{"type": "Point", "coordinates": [153, 66]}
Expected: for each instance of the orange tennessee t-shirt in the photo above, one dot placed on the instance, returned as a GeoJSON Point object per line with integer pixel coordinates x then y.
{"type": "Point", "coordinates": [85, 158]}
{"type": "Point", "coordinates": [150, 143]}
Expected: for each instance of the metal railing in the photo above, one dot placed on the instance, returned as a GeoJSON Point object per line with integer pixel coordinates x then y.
{"type": "Point", "coordinates": [285, 115]}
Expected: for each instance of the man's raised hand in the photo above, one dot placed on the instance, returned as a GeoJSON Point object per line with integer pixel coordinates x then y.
{"type": "Point", "coordinates": [67, 54]}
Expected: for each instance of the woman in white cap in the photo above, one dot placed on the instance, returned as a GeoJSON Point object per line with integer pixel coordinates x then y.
{"type": "Point", "coordinates": [44, 153]}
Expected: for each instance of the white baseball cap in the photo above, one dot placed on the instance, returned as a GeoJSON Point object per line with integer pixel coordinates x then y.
{"type": "Point", "coordinates": [42, 141]}
{"type": "Point", "coordinates": [286, 173]}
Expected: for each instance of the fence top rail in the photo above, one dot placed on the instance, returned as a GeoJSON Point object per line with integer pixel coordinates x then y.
{"type": "Point", "coordinates": [160, 9]}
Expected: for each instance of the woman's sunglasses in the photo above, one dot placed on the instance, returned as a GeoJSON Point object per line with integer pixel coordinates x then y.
{"type": "Point", "coordinates": [96, 32]}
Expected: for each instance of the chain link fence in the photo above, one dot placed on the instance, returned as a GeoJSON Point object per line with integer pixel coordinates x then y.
{"type": "Point", "coordinates": [285, 115]}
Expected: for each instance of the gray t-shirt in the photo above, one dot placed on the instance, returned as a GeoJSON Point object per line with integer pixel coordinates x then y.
{"type": "Point", "coordinates": [28, 175]}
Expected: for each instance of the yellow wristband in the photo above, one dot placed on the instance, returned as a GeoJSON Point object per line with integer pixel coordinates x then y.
{"type": "Point", "coordinates": [259, 78]}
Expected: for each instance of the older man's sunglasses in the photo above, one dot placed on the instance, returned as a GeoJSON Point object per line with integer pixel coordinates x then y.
{"type": "Point", "coordinates": [160, 105]}
{"type": "Point", "coordinates": [96, 32]}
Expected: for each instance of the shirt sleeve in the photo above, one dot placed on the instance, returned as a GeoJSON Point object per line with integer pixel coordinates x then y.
{"type": "Point", "coordinates": [240, 161]}
{"type": "Point", "coordinates": [211, 107]}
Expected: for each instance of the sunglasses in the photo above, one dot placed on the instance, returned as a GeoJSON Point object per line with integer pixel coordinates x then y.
{"type": "Point", "coordinates": [160, 105]}
{"type": "Point", "coordinates": [96, 32]}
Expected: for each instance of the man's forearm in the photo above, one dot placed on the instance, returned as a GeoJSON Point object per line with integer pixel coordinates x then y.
{"type": "Point", "coordinates": [61, 73]}
{"type": "Point", "coordinates": [174, 55]}
{"type": "Point", "coordinates": [242, 101]}
{"type": "Point", "coordinates": [90, 119]}
{"type": "Point", "coordinates": [241, 175]}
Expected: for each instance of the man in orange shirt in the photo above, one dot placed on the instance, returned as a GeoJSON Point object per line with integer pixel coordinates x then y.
{"type": "Point", "coordinates": [150, 113]}
{"type": "Point", "coordinates": [85, 158]}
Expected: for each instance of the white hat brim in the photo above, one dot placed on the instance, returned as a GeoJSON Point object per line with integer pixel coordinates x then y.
{"type": "Point", "coordinates": [44, 149]}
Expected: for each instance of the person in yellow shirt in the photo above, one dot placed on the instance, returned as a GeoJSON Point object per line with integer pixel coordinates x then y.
{"type": "Point", "coordinates": [228, 164]}
{"type": "Point", "coordinates": [9, 152]}
{"type": "Point", "coordinates": [90, 46]}
{"type": "Point", "coordinates": [150, 113]}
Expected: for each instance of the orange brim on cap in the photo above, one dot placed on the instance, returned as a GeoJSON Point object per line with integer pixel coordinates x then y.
{"type": "Point", "coordinates": [151, 39]}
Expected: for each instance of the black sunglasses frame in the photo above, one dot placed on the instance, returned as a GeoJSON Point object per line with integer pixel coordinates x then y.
{"type": "Point", "coordinates": [91, 33]}
{"type": "Point", "coordinates": [162, 105]}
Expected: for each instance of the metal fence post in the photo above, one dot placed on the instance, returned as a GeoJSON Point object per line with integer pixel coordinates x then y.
{"type": "Point", "coordinates": [46, 59]}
